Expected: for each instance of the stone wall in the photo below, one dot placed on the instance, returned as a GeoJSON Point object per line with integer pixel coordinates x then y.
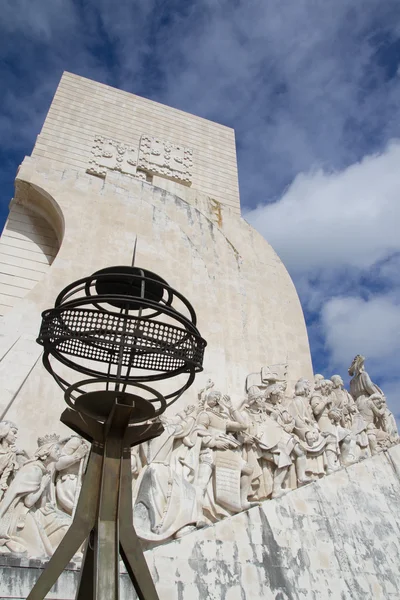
{"type": "Point", "coordinates": [247, 307]}
{"type": "Point", "coordinates": [338, 539]}
{"type": "Point", "coordinates": [28, 246]}
{"type": "Point", "coordinates": [83, 109]}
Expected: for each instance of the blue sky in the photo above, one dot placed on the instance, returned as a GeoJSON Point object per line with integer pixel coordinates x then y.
{"type": "Point", "coordinates": [312, 89]}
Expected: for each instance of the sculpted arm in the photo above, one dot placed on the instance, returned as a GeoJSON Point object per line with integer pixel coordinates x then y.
{"type": "Point", "coordinates": [237, 421]}
{"type": "Point", "coordinates": [317, 405]}
{"type": "Point", "coordinates": [66, 461]}
{"type": "Point", "coordinates": [42, 480]}
{"type": "Point", "coordinates": [369, 386]}
{"type": "Point", "coordinates": [203, 419]}
{"type": "Point", "coordinates": [235, 426]}
{"type": "Point", "coordinates": [378, 412]}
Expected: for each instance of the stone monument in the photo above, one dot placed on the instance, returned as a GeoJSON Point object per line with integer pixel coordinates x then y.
{"type": "Point", "coordinates": [266, 482]}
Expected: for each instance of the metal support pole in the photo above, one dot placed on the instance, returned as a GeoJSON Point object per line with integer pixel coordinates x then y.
{"type": "Point", "coordinates": [83, 523]}
{"type": "Point", "coordinates": [130, 548]}
{"type": "Point", "coordinates": [107, 538]}
{"type": "Point", "coordinates": [104, 518]}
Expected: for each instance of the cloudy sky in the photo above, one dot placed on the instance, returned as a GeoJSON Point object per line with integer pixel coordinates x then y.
{"type": "Point", "coordinates": [312, 88]}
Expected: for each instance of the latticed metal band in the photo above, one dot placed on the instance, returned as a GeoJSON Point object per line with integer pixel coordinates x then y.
{"type": "Point", "coordinates": [120, 339]}
{"type": "Point", "coordinates": [122, 324]}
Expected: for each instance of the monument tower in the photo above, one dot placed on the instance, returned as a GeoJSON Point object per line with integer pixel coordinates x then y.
{"type": "Point", "coordinates": [114, 176]}
{"type": "Point", "coordinates": [109, 168]}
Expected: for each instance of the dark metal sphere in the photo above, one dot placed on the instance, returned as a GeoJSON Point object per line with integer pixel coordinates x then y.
{"type": "Point", "coordinates": [122, 325]}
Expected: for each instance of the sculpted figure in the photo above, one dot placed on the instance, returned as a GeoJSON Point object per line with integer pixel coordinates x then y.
{"type": "Point", "coordinates": [30, 523]}
{"type": "Point", "coordinates": [371, 403]}
{"type": "Point", "coordinates": [314, 445]}
{"type": "Point", "coordinates": [300, 409]}
{"type": "Point", "coordinates": [343, 401]}
{"type": "Point", "coordinates": [340, 441]}
{"type": "Point", "coordinates": [224, 477]}
{"type": "Point", "coordinates": [361, 385]}
{"type": "Point", "coordinates": [306, 429]}
{"type": "Point", "coordinates": [10, 457]}
{"type": "Point", "coordinates": [389, 423]}
{"type": "Point", "coordinates": [288, 449]}
{"type": "Point", "coordinates": [254, 415]}
{"type": "Point", "coordinates": [372, 409]}
{"type": "Point", "coordinates": [350, 416]}
{"type": "Point", "coordinates": [317, 381]}
{"type": "Point", "coordinates": [166, 498]}
{"type": "Point", "coordinates": [321, 404]}
{"type": "Point", "coordinates": [69, 469]}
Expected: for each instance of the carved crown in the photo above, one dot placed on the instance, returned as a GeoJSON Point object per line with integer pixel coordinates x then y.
{"type": "Point", "coordinates": [51, 438]}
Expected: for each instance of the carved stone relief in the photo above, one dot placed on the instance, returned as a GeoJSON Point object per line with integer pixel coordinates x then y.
{"type": "Point", "coordinates": [40, 492]}
{"type": "Point", "coordinates": [163, 158]}
{"type": "Point", "coordinates": [109, 155]}
{"type": "Point", "coordinates": [152, 157]}
{"type": "Point", "coordinates": [213, 459]}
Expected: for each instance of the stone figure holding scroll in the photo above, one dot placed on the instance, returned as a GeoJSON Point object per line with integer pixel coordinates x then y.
{"type": "Point", "coordinates": [224, 477]}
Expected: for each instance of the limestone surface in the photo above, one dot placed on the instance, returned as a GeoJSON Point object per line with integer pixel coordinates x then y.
{"type": "Point", "coordinates": [337, 539]}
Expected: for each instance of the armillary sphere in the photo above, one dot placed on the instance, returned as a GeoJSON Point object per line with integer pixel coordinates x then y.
{"type": "Point", "coordinates": [125, 330]}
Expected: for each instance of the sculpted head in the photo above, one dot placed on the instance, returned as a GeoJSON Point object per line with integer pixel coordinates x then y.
{"type": "Point", "coordinates": [275, 394]}
{"type": "Point", "coordinates": [302, 388]}
{"type": "Point", "coordinates": [283, 386]}
{"type": "Point", "coordinates": [287, 422]}
{"type": "Point", "coordinates": [213, 398]}
{"type": "Point", "coordinates": [378, 399]}
{"type": "Point", "coordinates": [337, 381]}
{"type": "Point", "coordinates": [325, 387]}
{"type": "Point", "coordinates": [335, 415]}
{"type": "Point", "coordinates": [357, 366]}
{"type": "Point", "coordinates": [48, 448]}
{"type": "Point", "coordinates": [317, 380]}
{"type": "Point", "coordinates": [255, 396]}
{"type": "Point", "coordinates": [312, 437]}
{"type": "Point", "coordinates": [8, 432]}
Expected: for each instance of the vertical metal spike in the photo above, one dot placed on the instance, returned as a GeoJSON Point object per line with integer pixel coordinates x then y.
{"type": "Point", "coordinates": [134, 252]}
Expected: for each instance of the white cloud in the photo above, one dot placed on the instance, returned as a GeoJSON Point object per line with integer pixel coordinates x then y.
{"type": "Point", "coordinates": [370, 327]}
{"type": "Point", "coordinates": [335, 220]}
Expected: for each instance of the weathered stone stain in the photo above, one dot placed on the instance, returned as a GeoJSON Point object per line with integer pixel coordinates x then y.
{"type": "Point", "coordinates": [344, 547]}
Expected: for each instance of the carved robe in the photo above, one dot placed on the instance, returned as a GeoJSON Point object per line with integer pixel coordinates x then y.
{"type": "Point", "coordinates": [304, 423]}
{"type": "Point", "coordinates": [222, 496]}
{"type": "Point", "coordinates": [361, 386]}
{"type": "Point", "coordinates": [373, 416]}
{"type": "Point", "coordinates": [165, 494]}
{"type": "Point", "coordinates": [300, 409]}
{"type": "Point", "coordinates": [351, 417]}
{"type": "Point", "coordinates": [8, 465]}
{"type": "Point", "coordinates": [36, 529]}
